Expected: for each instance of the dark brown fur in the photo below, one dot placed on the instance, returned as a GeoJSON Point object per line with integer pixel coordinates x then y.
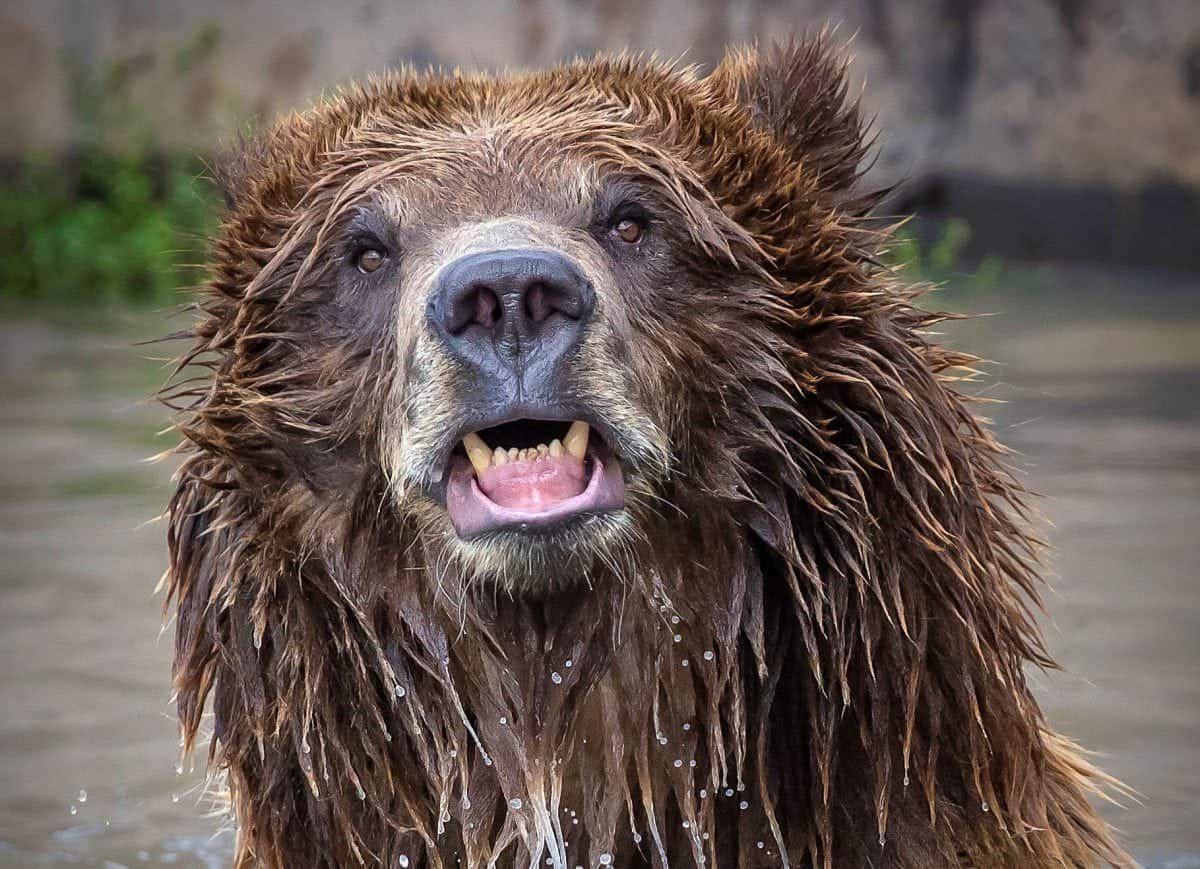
{"type": "Point", "coordinates": [806, 649]}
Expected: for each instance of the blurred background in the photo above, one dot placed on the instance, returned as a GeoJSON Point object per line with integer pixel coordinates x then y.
{"type": "Point", "coordinates": [1050, 150]}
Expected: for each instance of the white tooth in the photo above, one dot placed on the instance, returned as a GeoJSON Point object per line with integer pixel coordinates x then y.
{"type": "Point", "coordinates": [513, 454]}
{"type": "Point", "coordinates": [478, 452]}
{"type": "Point", "coordinates": [576, 440]}
{"type": "Point", "coordinates": [542, 450]}
{"type": "Point", "coordinates": [556, 448]}
{"type": "Point", "coordinates": [499, 457]}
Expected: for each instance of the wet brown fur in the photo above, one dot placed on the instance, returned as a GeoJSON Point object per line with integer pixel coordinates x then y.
{"type": "Point", "coordinates": [820, 608]}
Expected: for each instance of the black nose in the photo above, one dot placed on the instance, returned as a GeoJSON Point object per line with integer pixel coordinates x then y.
{"type": "Point", "coordinates": [511, 306]}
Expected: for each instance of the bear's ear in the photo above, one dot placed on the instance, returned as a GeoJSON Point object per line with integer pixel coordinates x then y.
{"type": "Point", "coordinates": [798, 92]}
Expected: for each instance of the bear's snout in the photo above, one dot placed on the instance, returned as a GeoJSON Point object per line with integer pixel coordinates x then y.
{"type": "Point", "coordinates": [505, 311]}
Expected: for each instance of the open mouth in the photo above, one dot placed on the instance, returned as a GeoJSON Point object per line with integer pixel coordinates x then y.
{"type": "Point", "coordinates": [531, 474]}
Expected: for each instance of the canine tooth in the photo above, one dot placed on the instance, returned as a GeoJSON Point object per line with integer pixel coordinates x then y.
{"type": "Point", "coordinates": [513, 454]}
{"type": "Point", "coordinates": [576, 440]}
{"type": "Point", "coordinates": [478, 452]}
{"type": "Point", "coordinates": [499, 457]}
{"type": "Point", "coordinates": [556, 448]}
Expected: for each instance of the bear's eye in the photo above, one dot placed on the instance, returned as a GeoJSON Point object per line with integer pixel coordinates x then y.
{"type": "Point", "coordinates": [369, 260]}
{"type": "Point", "coordinates": [628, 230]}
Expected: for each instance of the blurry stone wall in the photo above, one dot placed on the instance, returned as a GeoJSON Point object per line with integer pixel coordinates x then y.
{"type": "Point", "coordinates": [977, 100]}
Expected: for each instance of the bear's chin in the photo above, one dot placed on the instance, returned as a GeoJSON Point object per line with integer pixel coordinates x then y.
{"type": "Point", "coordinates": [533, 562]}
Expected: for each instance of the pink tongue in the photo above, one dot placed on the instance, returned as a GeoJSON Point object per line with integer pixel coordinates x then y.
{"type": "Point", "coordinates": [534, 485]}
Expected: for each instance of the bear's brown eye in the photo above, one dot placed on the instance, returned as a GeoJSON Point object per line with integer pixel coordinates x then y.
{"type": "Point", "coordinates": [370, 260]}
{"type": "Point", "coordinates": [628, 230]}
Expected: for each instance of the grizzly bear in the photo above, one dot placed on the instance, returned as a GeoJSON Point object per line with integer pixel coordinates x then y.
{"type": "Point", "coordinates": [570, 483]}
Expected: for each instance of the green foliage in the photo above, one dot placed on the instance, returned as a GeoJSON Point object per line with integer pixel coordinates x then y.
{"type": "Point", "coordinates": [113, 227]}
{"type": "Point", "coordinates": [941, 260]}
{"type": "Point", "coordinates": [118, 218]}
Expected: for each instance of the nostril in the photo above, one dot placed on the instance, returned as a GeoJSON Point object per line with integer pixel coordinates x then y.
{"type": "Point", "coordinates": [487, 308]}
{"type": "Point", "coordinates": [542, 299]}
{"type": "Point", "coordinates": [537, 303]}
{"type": "Point", "coordinates": [478, 305]}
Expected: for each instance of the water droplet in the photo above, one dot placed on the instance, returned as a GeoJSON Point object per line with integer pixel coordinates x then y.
{"type": "Point", "coordinates": [704, 837]}
{"type": "Point", "coordinates": [504, 719]}
{"type": "Point", "coordinates": [674, 620]}
{"type": "Point", "coordinates": [362, 795]}
{"type": "Point", "coordinates": [708, 655]}
{"type": "Point", "coordinates": [678, 763]}
{"type": "Point", "coordinates": [687, 825]}
{"type": "Point", "coordinates": [743, 805]}
{"type": "Point", "coordinates": [761, 844]}
{"type": "Point", "coordinates": [403, 861]}
{"type": "Point", "coordinates": [703, 793]}
{"type": "Point", "coordinates": [678, 638]}
{"type": "Point", "coordinates": [556, 678]}
{"type": "Point", "coordinates": [82, 795]}
{"type": "Point", "coordinates": [687, 727]}
{"type": "Point", "coordinates": [305, 747]}
{"type": "Point", "coordinates": [454, 752]}
{"type": "Point", "coordinates": [174, 798]}
{"type": "Point", "coordinates": [179, 768]}
{"type": "Point", "coordinates": [568, 664]}
{"type": "Point", "coordinates": [515, 803]}
{"type": "Point", "coordinates": [692, 764]}
{"type": "Point", "coordinates": [575, 821]}
{"type": "Point", "coordinates": [400, 692]}
{"type": "Point", "coordinates": [662, 739]}
{"type": "Point", "coordinates": [74, 809]}
{"type": "Point", "coordinates": [258, 641]}
{"type": "Point", "coordinates": [487, 761]}
{"type": "Point", "coordinates": [882, 840]}
{"type": "Point", "coordinates": [985, 806]}
{"type": "Point", "coordinates": [906, 779]}
{"type": "Point", "coordinates": [728, 792]}
{"type": "Point", "coordinates": [605, 859]}
{"type": "Point", "coordinates": [637, 837]}
{"type": "Point", "coordinates": [685, 662]}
